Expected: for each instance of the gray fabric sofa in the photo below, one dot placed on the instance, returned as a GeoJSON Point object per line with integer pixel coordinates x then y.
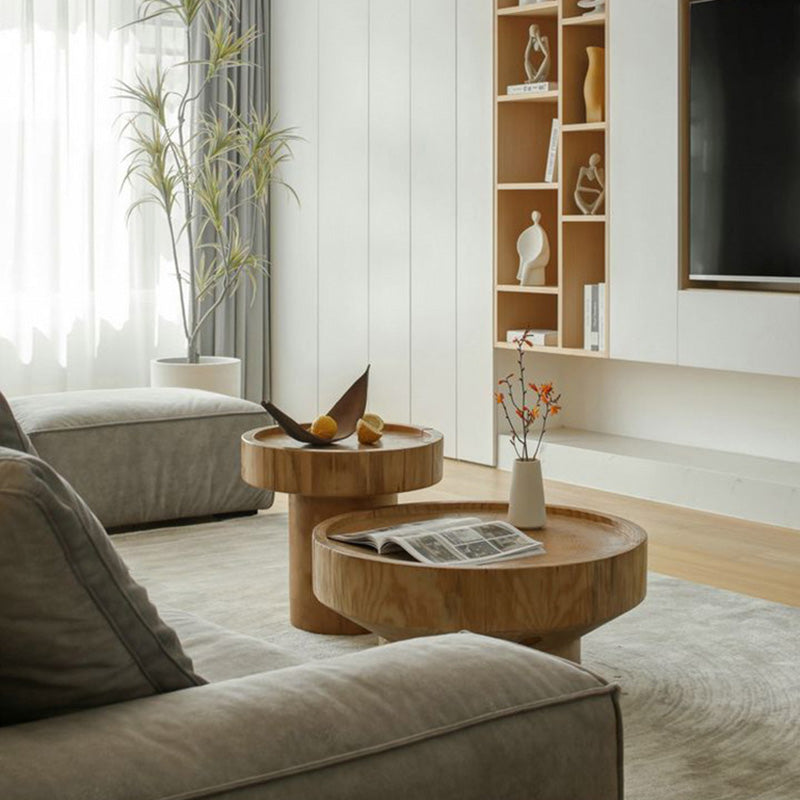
{"type": "Point", "coordinates": [143, 455]}
{"type": "Point", "coordinates": [103, 697]}
{"type": "Point", "coordinates": [459, 717]}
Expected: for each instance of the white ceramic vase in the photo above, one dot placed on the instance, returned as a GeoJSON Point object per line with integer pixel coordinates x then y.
{"type": "Point", "coordinates": [526, 507]}
{"type": "Point", "coordinates": [213, 374]}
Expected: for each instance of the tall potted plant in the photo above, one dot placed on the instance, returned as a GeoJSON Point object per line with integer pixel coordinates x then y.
{"type": "Point", "coordinates": [524, 406]}
{"type": "Point", "coordinates": [208, 166]}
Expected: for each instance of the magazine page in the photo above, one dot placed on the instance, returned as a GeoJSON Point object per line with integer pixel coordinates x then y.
{"type": "Point", "coordinates": [474, 543]}
{"type": "Point", "coordinates": [379, 536]}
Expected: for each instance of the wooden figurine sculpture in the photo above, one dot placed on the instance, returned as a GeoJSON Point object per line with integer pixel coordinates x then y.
{"type": "Point", "coordinates": [590, 191]}
{"type": "Point", "coordinates": [537, 44]}
{"type": "Point", "coordinates": [533, 248]}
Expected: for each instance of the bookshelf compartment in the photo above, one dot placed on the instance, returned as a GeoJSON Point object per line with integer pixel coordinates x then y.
{"type": "Point", "coordinates": [595, 20]}
{"type": "Point", "coordinates": [570, 10]}
{"type": "Point", "coordinates": [577, 148]}
{"type": "Point", "coordinates": [512, 39]}
{"type": "Point", "coordinates": [548, 8]}
{"type": "Point", "coordinates": [584, 262]}
{"type": "Point", "coordinates": [523, 138]}
{"type": "Point", "coordinates": [513, 216]}
{"type": "Point", "coordinates": [574, 64]}
{"type": "Point", "coordinates": [521, 310]}
{"type": "Point", "coordinates": [578, 243]}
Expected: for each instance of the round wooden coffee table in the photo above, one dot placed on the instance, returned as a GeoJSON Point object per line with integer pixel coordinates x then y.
{"type": "Point", "coordinates": [595, 569]}
{"type": "Point", "coordinates": [325, 481]}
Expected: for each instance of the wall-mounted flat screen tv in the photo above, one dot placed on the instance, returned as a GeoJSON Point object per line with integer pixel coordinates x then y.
{"type": "Point", "coordinates": [744, 140]}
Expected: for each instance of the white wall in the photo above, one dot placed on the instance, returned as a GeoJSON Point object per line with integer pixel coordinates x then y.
{"type": "Point", "coordinates": [730, 411]}
{"type": "Point", "coordinates": [651, 319]}
{"type": "Point", "coordinates": [387, 259]}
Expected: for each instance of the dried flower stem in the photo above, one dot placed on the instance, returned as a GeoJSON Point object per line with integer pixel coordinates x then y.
{"type": "Point", "coordinates": [546, 404]}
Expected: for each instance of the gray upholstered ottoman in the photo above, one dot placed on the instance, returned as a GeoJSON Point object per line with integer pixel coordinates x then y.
{"type": "Point", "coordinates": [146, 455]}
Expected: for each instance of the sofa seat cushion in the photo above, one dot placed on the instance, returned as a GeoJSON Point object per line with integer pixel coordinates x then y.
{"type": "Point", "coordinates": [11, 435]}
{"type": "Point", "coordinates": [76, 630]}
{"type": "Point", "coordinates": [146, 455]}
{"type": "Point", "coordinates": [455, 717]}
{"type": "Point", "coordinates": [219, 654]}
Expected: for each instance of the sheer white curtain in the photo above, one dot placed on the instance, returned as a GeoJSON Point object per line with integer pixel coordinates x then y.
{"type": "Point", "coordinates": [85, 299]}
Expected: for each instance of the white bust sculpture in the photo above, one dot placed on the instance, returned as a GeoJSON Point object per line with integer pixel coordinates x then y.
{"type": "Point", "coordinates": [533, 248]}
{"type": "Point", "coordinates": [592, 6]}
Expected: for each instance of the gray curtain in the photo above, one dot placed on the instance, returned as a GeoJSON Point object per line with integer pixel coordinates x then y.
{"type": "Point", "coordinates": [240, 326]}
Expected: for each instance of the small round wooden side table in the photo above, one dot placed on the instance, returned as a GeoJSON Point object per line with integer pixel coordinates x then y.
{"type": "Point", "coordinates": [325, 481]}
{"type": "Point", "coordinates": [594, 569]}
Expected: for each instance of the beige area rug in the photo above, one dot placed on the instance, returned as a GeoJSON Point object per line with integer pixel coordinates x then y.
{"type": "Point", "coordinates": [710, 679]}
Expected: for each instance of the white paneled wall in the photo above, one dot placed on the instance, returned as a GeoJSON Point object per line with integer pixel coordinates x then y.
{"type": "Point", "coordinates": [294, 292]}
{"type": "Point", "coordinates": [387, 259]}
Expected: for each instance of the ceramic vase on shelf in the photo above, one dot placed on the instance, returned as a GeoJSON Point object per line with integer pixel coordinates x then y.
{"type": "Point", "coordinates": [526, 507]}
{"type": "Point", "coordinates": [594, 87]}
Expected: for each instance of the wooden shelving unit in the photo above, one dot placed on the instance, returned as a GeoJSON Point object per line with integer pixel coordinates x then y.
{"type": "Point", "coordinates": [544, 9]}
{"type": "Point", "coordinates": [578, 243]}
{"type": "Point", "coordinates": [541, 97]}
{"type": "Point", "coordinates": [589, 20]}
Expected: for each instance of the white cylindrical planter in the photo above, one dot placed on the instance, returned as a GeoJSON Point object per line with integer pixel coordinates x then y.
{"type": "Point", "coordinates": [526, 508]}
{"type": "Point", "coordinates": [213, 374]}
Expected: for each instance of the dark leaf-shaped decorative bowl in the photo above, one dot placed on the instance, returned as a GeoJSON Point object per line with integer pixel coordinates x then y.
{"type": "Point", "coordinates": [347, 411]}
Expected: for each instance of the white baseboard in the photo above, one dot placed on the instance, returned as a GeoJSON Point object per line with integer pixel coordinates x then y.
{"type": "Point", "coordinates": [758, 489]}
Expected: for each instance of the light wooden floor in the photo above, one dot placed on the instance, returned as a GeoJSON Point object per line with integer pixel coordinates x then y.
{"type": "Point", "coordinates": [759, 560]}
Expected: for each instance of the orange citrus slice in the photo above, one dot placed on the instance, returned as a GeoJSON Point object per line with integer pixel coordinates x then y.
{"type": "Point", "coordinates": [369, 429]}
{"type": "Point", "coordinates": [325, 427]}
{"type": "Point", "coordinates": [374, 421]}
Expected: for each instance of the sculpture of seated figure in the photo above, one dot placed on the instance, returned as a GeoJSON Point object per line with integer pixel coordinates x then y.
{"type": "Point", "coordinates": [590, 198]}
{"type": "Point", "coordinates": [537, 44]}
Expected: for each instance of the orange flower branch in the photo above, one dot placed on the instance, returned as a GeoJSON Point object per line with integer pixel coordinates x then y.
{"type": "Point", "coordinates": [546, 405]}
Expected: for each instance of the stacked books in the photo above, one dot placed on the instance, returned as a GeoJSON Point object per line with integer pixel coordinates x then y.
{"type": "Point", "coordinates": [538, 337]}
{"type": "Point", "coordinates": [532, 88]}
{"type": "Point", "coordinates": [594, 316]}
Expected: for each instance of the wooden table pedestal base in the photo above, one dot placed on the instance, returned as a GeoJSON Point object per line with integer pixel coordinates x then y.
{"type": "Point", "coordinates": [306, 612]}
{"type": "Point", "coordinates": [563, 648]}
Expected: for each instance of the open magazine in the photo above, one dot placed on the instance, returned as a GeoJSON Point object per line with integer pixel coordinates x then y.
{"type": "Point", "coordinates": [449, 540]}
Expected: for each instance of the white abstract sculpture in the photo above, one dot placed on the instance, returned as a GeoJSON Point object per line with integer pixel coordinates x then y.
{"type": "Point", "coordinates": [533, 248]}
{"type": "Point", "coordinates": [587, 197]}
{"type": "Point", "coordinates": [592, 6]}
{"type": "Point", "coordinates": [537, 44]}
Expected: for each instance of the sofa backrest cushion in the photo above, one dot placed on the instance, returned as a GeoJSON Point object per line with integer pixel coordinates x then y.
{"type": "Point", "coordinates": [11, 435]}
{"type": "Point", "coordinates": [75, 629]}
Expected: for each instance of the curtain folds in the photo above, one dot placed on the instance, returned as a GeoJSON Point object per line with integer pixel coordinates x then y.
{"type": "Point", "coordinates": [240, 325]}
{"type": "Point", "coordinates": [86, 300]}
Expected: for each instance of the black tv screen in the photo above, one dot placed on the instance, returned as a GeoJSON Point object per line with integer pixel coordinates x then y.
{"type": "Point", "coordinates": [744, 140]}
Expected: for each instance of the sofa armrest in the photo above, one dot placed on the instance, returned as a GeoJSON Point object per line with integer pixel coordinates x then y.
{"type": "Point", "coordinates": [457, 716]}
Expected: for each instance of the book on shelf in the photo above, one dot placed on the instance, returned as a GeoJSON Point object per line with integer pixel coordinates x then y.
{"type": "Point", "coordinates": [601, 315]}
{"type": "Point", "coordinates": [540, 337]}
{"type": "Point", "coordinates": [552, 152]}
{"type": "Point", "coordinates": [449, 540]}
{"type": "Point", "coordinates": [594, 316]}
{"type": "Point", "coordinates": [532, 88]}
